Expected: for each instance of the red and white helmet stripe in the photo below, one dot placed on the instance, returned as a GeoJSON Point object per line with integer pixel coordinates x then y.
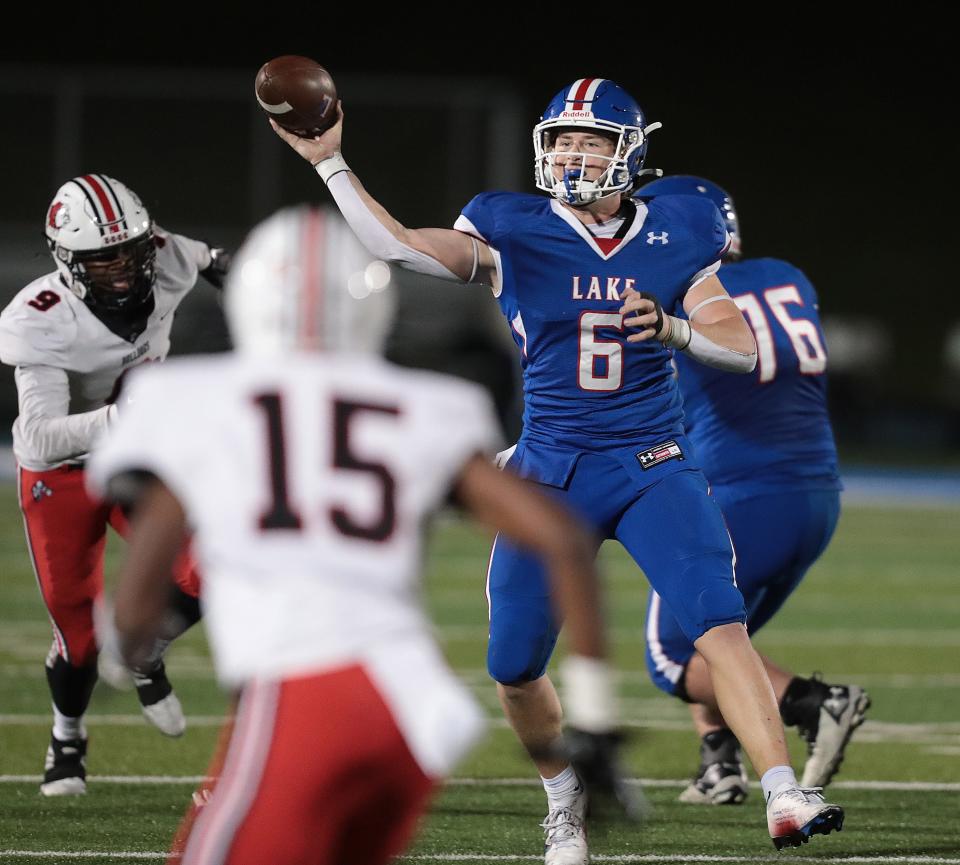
{"type": "Point", "coordinates": [581, 92]}
{"type": "Point", "coordinates": [104, 201]}
{"type": "Point", "coordinates": [312, 293]}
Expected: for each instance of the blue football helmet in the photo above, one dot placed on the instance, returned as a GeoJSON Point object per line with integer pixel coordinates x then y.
{"type": "Point", "coordinates": [685, 184]}
{"type": "Point", "coordinates": [591, 105]}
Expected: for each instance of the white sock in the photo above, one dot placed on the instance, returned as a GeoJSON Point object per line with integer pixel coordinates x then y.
{"type": "Point", "coordinates": [562, 789]}
{"type": "Point", "coordinates": [66, 728]}
{"type": "Point", "coordinates": [775, 778]}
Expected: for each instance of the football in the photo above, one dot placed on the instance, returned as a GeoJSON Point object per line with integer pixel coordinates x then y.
{"type": "Point", "coordinates": [298, 93]}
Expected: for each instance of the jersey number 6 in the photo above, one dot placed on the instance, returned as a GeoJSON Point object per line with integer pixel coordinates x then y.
{"type": "Point", "coordinates": [592, 348]}
{"type": "Point", "coordinates": [282, 514]}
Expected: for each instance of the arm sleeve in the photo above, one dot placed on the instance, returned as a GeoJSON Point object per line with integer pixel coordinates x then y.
{"type": "Point", "coordinates": [379, 242]}
{"type": "Point", "coordinates": [44, 422]}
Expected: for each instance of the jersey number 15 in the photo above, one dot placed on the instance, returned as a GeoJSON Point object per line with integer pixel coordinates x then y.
{"type": "Point", "coordinates": [283, 514]}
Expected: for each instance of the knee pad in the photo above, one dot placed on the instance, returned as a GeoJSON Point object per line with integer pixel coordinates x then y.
{"type": "Point", "coordinates": [521, 643]}
{"type": "Point", "coordinates": [719, 604]}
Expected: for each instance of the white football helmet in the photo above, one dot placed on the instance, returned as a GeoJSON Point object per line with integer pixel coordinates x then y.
{"type": "Point", "coordinates": [303, 282]}
{"type": "Point", "coordinates": [101, 237]}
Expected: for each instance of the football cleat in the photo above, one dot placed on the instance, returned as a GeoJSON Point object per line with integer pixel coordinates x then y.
{"type": "Point", "coordinates": [717, 784]}
{"type": "Point", "coordinates": [565, 836]}
{"type": "Point", "coordinates": [842, 709]}
{"type": "Point", "coordinates": [796, 813]}
{"type": "Point", "coordinates": [65, 771]}
{"type": "Point", "coordinates": [159, 704]}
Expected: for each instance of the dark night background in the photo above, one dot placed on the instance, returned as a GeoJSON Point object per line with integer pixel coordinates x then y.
{"type": "Point", "coordinates": [836, 147]}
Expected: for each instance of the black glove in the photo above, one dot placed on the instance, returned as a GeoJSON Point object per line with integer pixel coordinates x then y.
{"type": "Point", "coordinates": [595, 758]}
{"type": "Point", "coordinates": [216, 272]}
{"type": "Point", "coordinates": [658, 324]}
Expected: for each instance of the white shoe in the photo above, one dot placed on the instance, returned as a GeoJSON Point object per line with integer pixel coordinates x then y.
{"type": "Point", "coordinates": [65, 769]}
{"type": "Point", "coordinates": [841, 712]}
{"type": "Point", "coordinates": [565, 841]}
{"type": "Point", "coordinates": [166, 715]}
{"type": "Point", "coordinates": [796, 813]}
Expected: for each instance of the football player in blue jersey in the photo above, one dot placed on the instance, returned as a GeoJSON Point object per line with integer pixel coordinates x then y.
{"type": "Point", "coordinates": [765, 443]}
{"type": "Point", "coordinates": [585, 277]}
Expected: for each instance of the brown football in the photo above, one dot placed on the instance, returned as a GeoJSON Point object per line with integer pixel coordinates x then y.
{"type": "Point", "coordinates": [298, 93]}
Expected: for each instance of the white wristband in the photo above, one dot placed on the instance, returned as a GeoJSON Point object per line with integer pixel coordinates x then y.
{"type": "Point", "coordinates": [680, 333]}
{"type": "Point", "coordinates": [589, 702]}
{"type": "Point", "coordinates": [326, 168]}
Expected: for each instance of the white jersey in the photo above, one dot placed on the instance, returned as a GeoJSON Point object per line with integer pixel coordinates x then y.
{"type": "Point", "coordinates": [308, 481]}
{"type": "Point", "coordinates": [69, 363]}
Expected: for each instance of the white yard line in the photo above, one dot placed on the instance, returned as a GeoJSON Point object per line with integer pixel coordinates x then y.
{"type": "Point", "coordinates": [946, 734]}
{"type": "Point", "coordinates": [168, 780]}
{"type": "Point", "coordinates": [626, 858]}
{"type": "Point", "coordinates": [80, 854]}
{"type": "Point", "coordinates": [661, 857]}
{"type": "Point", "coordinates": [106, 720]}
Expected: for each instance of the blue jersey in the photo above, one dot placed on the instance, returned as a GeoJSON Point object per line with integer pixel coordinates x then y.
{"type": "Point", "coordinates": [559, 287]}
{"type": "Point", "coordinates": [768, 430]}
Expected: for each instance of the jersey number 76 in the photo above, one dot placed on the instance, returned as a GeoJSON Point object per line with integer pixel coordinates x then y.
{"type": "Point", "coordinates": [804, 336]}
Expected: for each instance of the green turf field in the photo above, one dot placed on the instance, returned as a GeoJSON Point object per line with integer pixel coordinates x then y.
{"type": "Point", "coordinates": [882, 609]}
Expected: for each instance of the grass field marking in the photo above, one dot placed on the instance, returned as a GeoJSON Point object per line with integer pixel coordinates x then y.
{"type": "Point", "coordinates": [490, 857]}
{"type": "Point", "coordinates": [944, 734]}
{"type": "Point", "coordinates": [80, 854]}
{"type": "Point", "coordinates": [164, 780]}
{"type": "Point", "coordinates": [506, 857]}
{"type": "Point", "coordinates": [920, 681]}
{"type": "Point", "coordinates": [657, 857]}
{"type": "Point", "coordinates": [895, 786]}
{"type": "Point", "coordinates": [132, 720]}
{"type": "Point", "coordinates": [133, 780]}
{"type": "Point", "coordinates": [201, 667]}
{"type": "Point", "coordinates": [881, 637]}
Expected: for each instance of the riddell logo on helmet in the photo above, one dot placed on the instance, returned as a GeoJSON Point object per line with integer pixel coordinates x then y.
{"type": "Point", "coordinates": [576, 115]}
{"type": "Point", "coordinates": [58, 216]}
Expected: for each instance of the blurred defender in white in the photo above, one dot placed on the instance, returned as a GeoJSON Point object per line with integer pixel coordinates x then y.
{"type": "Point", "coordinates": [307, 467]}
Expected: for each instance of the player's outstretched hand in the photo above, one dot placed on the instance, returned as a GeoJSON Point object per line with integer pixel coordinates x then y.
{"type": "Point", "coordinates": [315, 149]}
{"type": "Point", "coordinates": [595, 758]}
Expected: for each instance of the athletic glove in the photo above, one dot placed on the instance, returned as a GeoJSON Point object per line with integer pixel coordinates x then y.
{"type": "Point", "coordinates": [216, 272]}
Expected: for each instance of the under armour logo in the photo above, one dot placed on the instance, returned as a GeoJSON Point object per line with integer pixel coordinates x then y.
{"type": "Point", "coordinates": [39, 490]}
{"type": "Point", "coordinates": [653, 237]}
